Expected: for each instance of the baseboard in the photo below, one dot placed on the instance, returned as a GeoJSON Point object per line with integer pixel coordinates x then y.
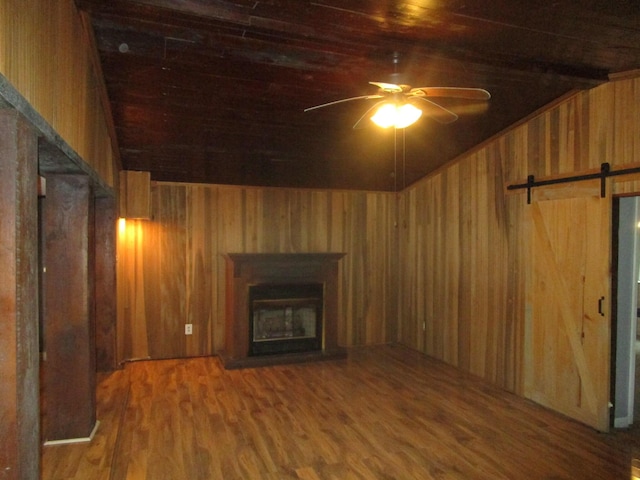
{"type": "Point", "coordinates": [622, 422]}
{"type": "Point", "coordinates": [67, 441]}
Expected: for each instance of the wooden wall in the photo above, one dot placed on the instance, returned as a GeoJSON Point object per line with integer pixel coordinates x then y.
{"type": "Point", "coordinates": [171, 270]}
{"type": "Point", "coordinates": [44, 54]}
{"type": "Point", "coordinates": [463, 239]}
{"type": "Point", "coordinates": [458, 291]}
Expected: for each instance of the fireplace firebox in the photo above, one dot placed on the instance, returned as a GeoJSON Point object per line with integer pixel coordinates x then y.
{"type": "Point", "coordinates": [285, 318]}
{"type": "Point", "coordinates": [281, 308]}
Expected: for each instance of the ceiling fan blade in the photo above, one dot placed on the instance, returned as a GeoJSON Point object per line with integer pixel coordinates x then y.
{"type": "Point", "coordinates": [387, 87]}
{"type": "Point", "coordinates": [470, 108]}
{"type": "Point", "coordinates": [451, 92]}
{"type": "Point", "coordinates": [437, 112]}
{"type": "Point", "coordinates": [363, 97]}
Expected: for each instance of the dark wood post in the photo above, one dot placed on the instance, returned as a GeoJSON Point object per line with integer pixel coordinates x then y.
{"type": "Point", "coordinates": [69, 311]}
{"type": "Point", "coordinates": [105, 295]}
{"type": "Point", "coordinates": [19, 362]}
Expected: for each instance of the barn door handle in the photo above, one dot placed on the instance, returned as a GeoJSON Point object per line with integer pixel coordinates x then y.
{"type": "Point", "coordinates": [600, 300]}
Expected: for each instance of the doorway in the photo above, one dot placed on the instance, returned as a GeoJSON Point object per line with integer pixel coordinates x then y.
{"type": "Point", "coordinates": [626, 243]}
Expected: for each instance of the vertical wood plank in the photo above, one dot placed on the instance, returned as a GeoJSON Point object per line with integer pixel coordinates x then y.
{"type": "Point", "coordinates": [19, 389]}
{"type": "Point", "coordinates": [105, 283]}
{"type": "Point", "coordinates": [69, 328]}
{"type": "Point", "coordinates": [135, 194]}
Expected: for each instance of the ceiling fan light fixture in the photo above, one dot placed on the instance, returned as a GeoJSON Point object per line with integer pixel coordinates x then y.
{"type": "Point", "coordinates": [398, 116]}
{"type": "Point", "coordinates": [407, 115]}
{"type": "Point", "coordinates": [385, 115]}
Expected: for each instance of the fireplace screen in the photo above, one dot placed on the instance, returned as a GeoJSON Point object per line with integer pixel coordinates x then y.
{"type": "Point", "coordinates": [285, 318]}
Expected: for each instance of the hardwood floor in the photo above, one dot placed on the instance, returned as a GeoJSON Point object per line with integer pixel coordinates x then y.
{"type": "Point", "coordinates": [384, 413]}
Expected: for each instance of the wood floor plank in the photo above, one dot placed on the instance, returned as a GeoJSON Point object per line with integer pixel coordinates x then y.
{"type": "Point", "coordinates": [385, 412]}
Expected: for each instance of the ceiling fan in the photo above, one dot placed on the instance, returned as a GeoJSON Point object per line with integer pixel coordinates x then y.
{"type": "Point", "coordinates": [400, 99]}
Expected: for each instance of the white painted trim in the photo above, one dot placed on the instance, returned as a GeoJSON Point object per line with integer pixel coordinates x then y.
{"type": "Point", "coordinates": [634, 306]}
{"type": "Point", "coordinates": [67, 441]}
{"type": "Point", "coordinates": [628, 258]}
{"type": "Point", "coordinates": [634, 320]}
{"type": "Point", "coordinates": [622, 422]}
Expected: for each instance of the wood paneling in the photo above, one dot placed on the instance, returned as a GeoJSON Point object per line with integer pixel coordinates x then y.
{"type": "Point", "coordinates": [454, 237]}
{"type": "Point", "coordinates": [135, 194]}
{"type": "Point", "coordinates": [171, 270]}
{"type": "Point", "coordinates": [186, 110]}
{"type": "Point", "coordinates": [44, 56]}
{"type": "Point", "coordinates": [465, 243]}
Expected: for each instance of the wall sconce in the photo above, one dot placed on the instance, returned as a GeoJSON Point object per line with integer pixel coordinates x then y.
{"type": "Point", "coordinates": [394, 115]}
{"type": "Point", "coordinates": [635, 469]}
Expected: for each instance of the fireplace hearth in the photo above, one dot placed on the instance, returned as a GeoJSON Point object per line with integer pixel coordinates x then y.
{"type": "Point", "coordinates": [281, 308]}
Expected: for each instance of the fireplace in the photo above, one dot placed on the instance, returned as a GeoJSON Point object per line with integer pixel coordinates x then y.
{"type": "Point", "coordinates": [285, 318]}
{"type": "Point", "coordinates": [281, 308]}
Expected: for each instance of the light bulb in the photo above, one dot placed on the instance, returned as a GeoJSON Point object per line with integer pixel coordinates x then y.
{"type": "Point", "coordinates": [407, 115]}
{"type": "Point", "coordinates": [385, 116]}
{"type": "Point", "coordinates": [392, 115]}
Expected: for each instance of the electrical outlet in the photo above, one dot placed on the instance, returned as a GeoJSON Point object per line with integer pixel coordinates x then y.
{"type": "Point", "coordinates": [188, 328]}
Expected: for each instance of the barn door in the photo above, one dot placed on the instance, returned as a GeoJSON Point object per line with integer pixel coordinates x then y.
{"type": "Point", "coordinates": [568, 324]}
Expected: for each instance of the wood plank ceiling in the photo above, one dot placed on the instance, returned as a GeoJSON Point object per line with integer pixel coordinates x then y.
{"type": "Point", "coordinates": [215, 91]}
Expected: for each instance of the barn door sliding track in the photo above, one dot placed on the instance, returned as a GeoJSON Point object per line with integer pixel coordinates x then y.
{"type": "Point", "coordinates": [604, 173]}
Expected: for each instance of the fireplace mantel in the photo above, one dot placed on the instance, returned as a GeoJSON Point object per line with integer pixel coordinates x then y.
{"type": "Point", "coordinates": [246, 269]}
